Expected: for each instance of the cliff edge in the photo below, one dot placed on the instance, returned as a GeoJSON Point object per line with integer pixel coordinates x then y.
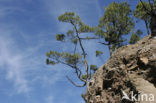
{"type": "Point", "coordinates": [129, 76]}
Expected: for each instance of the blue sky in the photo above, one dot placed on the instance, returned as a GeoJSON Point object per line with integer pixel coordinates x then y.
{"type": "Point", "coordinates": [27, 32]}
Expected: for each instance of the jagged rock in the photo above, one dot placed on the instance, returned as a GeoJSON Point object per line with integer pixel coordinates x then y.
{"type": "Point", "coordinates": [130, 69]}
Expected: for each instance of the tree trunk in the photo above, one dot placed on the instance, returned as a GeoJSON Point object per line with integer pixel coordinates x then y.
{"type": "Point", "coordinates": [110, 49]}
{"type": "Point", "coordinates": [147, 27]}
{"type": "Point", "coordinates": [153, 24]}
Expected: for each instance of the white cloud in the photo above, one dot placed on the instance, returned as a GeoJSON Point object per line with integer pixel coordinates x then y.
{"type": "Point", "coordinates": [11, 62]}
{"type": "Point", "coordinates": [26, 65]}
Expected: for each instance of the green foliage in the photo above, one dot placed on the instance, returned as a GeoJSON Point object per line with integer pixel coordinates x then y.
{"type": "Point", "coordinates": [135, 37]}
{"type": "Point", "coordinates": [139, 32]}
{"type": "Point", "coordinates": [142, 14]}
{"type": "Point", "coordinates": [85, 28]}
{"type": "Point", "coordinates": [55, 57]}
{"type": "Point", "coordinates": [70, 33]}
{"type": "Point", "coordinates": [140, 11]}
{"type": "Point", "coordinates": [98, 53]}
{"type": "Point", "coordinates": [115, 23]}
{"type": "Point", "coordinates": [69, 17]}
{"type": "Point", "coordinates": [60, 37]}
{"type": "Point", "coordinates": [84, 77]}
{"type": "Point", "coordinates": [116, 18]}
{"type": "Point", "coordinates": [78, 27]}
{"type": "Point", "coordinates": [93, 67]}
{"type": "Point", "coordinates": [75, 40]}
{"type": "Point", "coordinates": [50, 62]}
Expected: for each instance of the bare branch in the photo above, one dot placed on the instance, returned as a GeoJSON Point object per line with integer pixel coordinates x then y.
{"type": "Point", "coordinates": [77, 70]}
{"type": "Point", "coordinates": [75, 48]}
{"type": "Point", "coordinates": [89, 38]}
{"type": "Point", "coordinates": [79, 74]}
{"type": "Point", "coordinates": [75, 83]}
{"type": "Point", "coordinates": [103, 43]}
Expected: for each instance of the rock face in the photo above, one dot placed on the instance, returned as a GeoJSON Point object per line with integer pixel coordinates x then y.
{"type": "Point", "coordinates": [129, 76]}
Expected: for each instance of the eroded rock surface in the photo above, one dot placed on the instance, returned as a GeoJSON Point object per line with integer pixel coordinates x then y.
{"type": "Point", "coordinates": [130, 68]}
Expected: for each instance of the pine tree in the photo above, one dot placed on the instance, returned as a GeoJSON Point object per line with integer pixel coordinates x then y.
{"type": "Point", "coordinates": [77, 61]}
{"type": "Point", "coordinates": [115, 23]}
{"type": "Point", "coordinates": [152, 13]}
{"type": "Point", "coordinates": [140, 13]}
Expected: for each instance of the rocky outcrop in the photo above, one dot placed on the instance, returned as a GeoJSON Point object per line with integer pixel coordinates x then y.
{"type": "Point", "coordinates": [129, 76]}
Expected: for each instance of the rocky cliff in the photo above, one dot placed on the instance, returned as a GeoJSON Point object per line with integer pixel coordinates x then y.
{"type": "Point", "coordinates": [129, 76]}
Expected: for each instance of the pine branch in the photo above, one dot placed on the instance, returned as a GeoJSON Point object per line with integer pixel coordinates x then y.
{"type": "Point", "coordinates": [77, 70]}
{"type": "Point", "coordinates": [103, 43]}
{"type": "Point", "coordinates": [87, 38]}
{"type": "Point", "coordinates": [147, 11]}
{"type": "Point", "coordinates": [82, 48]}
{"type": "Point", "coordinates": [75, 83]}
